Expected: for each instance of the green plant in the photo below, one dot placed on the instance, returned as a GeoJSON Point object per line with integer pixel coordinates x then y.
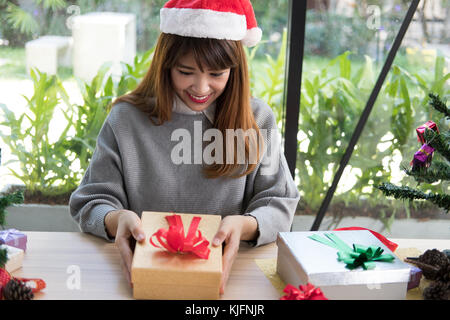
{"type": "Point", "coordinates": [89, 117]}
{"type": "Point", "coordinates": [97, 99]}
{"type": "Point", "coordinates": [332, 100]}
{"type": "Point", "coordinates": [268, 83]}
{"type": "Point", "coordinates": [43, 164]}
{"type": "Point", "coordinates": [6, 201]}
{"type": "Point", "coordinates": [23, 21]}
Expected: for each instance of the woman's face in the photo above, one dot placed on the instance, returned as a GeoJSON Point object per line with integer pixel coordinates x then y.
{"type": "Point", "coordinates": [197, 89]}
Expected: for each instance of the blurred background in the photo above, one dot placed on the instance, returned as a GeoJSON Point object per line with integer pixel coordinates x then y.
{"type": "Point", "coordinates": [63, 62]}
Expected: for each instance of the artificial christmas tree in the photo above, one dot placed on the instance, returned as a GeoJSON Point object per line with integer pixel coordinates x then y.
{"type": "Point", "coordinates": [423, 170]}
{"type": "Point", "coordinates": [434, 263]}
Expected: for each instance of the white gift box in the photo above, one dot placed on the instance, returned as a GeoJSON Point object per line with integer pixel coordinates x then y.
{"type": "Point", "coordinates": [301, 260]}
{"type": "Point", "coordinates": [15, 258]}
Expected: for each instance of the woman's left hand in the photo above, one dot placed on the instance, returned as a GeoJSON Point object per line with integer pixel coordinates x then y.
{"type": "Point", "coordinates": [232, 230]}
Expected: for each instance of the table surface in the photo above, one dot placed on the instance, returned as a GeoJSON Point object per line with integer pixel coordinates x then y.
{"type": "Point", "coordinates": [81, 266]}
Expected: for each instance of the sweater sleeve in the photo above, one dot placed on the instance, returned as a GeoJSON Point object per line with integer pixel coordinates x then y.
{"type": "Point", "coordinates": [273, 195]}
{"type": "Point", "coordinates": [101, 189]}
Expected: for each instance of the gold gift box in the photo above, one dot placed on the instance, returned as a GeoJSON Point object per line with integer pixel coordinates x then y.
{"type": "Point", "coordinates": [161, 275]}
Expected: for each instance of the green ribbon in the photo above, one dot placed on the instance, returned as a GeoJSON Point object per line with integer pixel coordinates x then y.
{"type": "Point", "coordinates": [355, 256]}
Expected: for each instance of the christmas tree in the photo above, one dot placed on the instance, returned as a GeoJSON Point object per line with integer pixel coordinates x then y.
{"type": "Point", "coordinates": [423, 169]}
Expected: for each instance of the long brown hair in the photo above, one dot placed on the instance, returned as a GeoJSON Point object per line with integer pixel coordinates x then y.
{"type": "Point", "coordinates": [154, 95]}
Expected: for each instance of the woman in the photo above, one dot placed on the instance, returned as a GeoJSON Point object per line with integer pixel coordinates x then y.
{"type": "Point", "coordinates": [152, 154]}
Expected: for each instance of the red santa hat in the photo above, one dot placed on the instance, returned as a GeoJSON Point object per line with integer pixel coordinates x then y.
{"type": "Point", "coordinates": [217, 19]}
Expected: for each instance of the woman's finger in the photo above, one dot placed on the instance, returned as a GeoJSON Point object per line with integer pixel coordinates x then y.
{"type": "Point", "coordinates": [229, 255]}
{"type": "Point", "coordinates": [123, 244]}
{"type": "Point", "coordinates": [126, 273]}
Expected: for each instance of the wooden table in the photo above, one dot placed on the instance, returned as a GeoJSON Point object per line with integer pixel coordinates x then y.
{"type": "Point", "coordinates": [82, 266]}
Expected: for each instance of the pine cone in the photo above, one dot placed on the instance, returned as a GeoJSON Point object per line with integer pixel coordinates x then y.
{"type": "Point", "coordinates": [17, 290]}
{"type": "Point", "coordinates": [443, 275]}
{"type": "Point", "coordinates": [428, 270]}
{"type": "Point", "coordinates": [436, 291]}
{"type": "Point", "coordinates": [434, 257]}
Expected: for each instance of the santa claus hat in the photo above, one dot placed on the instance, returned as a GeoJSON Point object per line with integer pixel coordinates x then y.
{"type": "Point", "coordinates": [217, 19]}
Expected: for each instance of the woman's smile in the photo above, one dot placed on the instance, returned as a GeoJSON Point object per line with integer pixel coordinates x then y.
{"type": "Point", "coordinates": [199, 99]}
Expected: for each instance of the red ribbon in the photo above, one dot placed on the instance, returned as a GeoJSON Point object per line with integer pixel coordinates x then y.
{"type": "Point", "coordinates": [34, 284]}
{"type": "Point", "coordinates": [391, 245]}
{"type": "Point", "coordinates": [38, 284]}
{"type": "Point", "coordinates": [173, 239]}
{"type": "Point", "coordinates": [305, 292]}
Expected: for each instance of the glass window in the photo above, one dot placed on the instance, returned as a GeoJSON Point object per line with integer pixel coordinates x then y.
{"type": "Point", "coordinates": [346, 46]}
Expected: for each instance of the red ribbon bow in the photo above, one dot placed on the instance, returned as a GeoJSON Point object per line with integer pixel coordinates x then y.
{"type": "Point", "coordinates": [305, 292]}
{"type": "Point", "coordinates": [173, 240]}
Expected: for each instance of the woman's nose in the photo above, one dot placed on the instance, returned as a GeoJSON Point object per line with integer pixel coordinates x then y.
{"type": "Point", "coordinates": [201, 85]}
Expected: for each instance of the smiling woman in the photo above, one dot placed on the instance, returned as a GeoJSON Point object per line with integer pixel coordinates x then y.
{"type": "Point", "coordinates": [203, 73]}
{"type": "Point", "coordinates": [193, 84]}
{"type": "Point", "coordinates": [197, 87]}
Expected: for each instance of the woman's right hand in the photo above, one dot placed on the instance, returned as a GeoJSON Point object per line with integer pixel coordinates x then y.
{"type": "Point", "coordinates": [128, 228]}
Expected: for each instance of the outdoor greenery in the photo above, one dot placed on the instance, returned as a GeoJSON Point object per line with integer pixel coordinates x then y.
{"type": "Point", "coordinates": [43, 164]}
{"type": "Point", "coordinates": [342, 61]}
{"type": "Point", "coordinates": [331, 103]}
{"type": "Point", "coordinates": [49, 167]}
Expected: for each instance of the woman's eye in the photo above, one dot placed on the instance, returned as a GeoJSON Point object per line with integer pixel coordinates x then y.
{"type": "Point", "coordinates": [217, 74]}
{"type": "Point", "coordinates": [184, 73]}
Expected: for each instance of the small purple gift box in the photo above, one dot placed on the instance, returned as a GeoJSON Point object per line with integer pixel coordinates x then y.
{"type": "Point", "coordinates": [422, 158]}
{"type": "Point", "coordinates": [14, 238]}
{"type": "Point", "coordinates": [414, 277]}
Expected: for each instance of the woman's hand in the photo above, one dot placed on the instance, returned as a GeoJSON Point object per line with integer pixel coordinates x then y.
{"type": "Point", "coordinates": [232, 230]}
{"type": "Point", "coordinates": [126, 226]}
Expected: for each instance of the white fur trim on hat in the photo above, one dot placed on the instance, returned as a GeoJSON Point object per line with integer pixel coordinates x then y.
{"type": "Point", "coordinates": [252, 37]}
{"type": "Point", "coordinates": [203, 23]}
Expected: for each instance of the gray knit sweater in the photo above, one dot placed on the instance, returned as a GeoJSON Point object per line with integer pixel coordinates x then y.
{"type": "Point", "coordinates": [132, 169]}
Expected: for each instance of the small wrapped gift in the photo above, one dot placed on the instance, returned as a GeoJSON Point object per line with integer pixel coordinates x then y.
{"type": "Point", "coordinates": [363, 268]}
{"type": "Point", "coordinates": [14, 238]}
{"type": "Point", "coordinates": [421, 130]}
{"type": "Point", "coordinates": [422, 158]}
{"type": "Point", "coordinates": [173, 264]}
{"type": "Point", "coordinates": [414, 278]}
{"type": "Point", "coordinates": [15, 258]}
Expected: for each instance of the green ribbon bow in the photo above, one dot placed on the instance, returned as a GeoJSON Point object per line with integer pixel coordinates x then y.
{"type": "Point", "coordinates": [357, 256]}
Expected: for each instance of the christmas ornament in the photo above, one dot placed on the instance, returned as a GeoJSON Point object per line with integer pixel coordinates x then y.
{"type": "Point", "coordinates": [422, 158]}
{"type": "Point", "coordinates": [17, 290]}
{"type": "Point", "coordinates": [421, 130]}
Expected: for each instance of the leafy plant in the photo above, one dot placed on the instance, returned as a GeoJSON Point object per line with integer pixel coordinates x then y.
{"type": "Point", "coordinates": [332, 100]}
{"type": "Point", "coordinates": [23, 21]}
{"type": "Point", "coordinates": [43, 164]}
{"type": "Point", "coordinates": [97, 99]}
{"type": "Point", "coordinates": [273, 82]}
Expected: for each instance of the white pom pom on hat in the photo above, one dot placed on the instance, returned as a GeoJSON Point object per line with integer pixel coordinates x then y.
{"type": "Point", "coordinates": [217, 19]}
